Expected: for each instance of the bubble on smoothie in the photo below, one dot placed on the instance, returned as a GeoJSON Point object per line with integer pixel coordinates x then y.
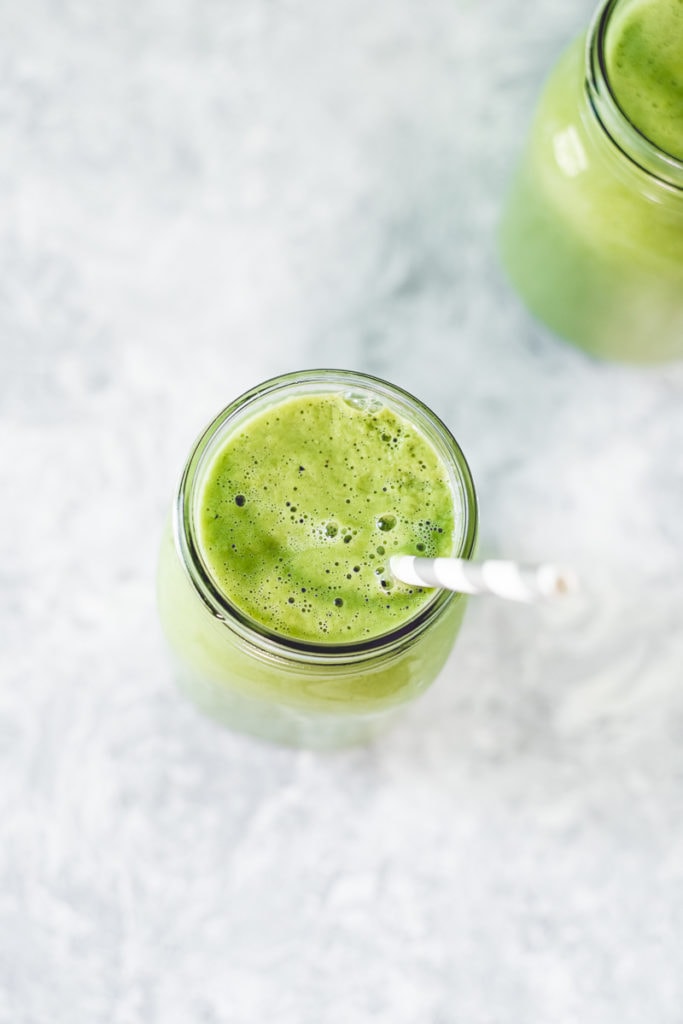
{"type": "Point", "coordinates": [363, 401]}
{"type": "Point", "coordinates": [386, 523]}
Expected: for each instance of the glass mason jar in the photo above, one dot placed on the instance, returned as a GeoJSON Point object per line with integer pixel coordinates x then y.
{"type": "Point", "coordinates": [592, 229]}
{"type": "Point", "coordinates": [248, 677]}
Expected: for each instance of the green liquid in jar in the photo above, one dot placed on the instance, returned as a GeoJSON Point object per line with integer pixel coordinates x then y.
{"type": "Point", "coordinates": [302, 507]}
{"type": "Point", "coordinates": [590, 239]}
{"type": "Point", "coordinates": [645, 69]}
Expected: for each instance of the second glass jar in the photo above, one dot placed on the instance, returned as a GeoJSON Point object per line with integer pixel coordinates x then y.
{"type": "Point", "coordinates": [592, 230]}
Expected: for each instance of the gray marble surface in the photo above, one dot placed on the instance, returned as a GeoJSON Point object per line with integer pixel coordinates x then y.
{"type": "Point", "coordinates": [196, 196]}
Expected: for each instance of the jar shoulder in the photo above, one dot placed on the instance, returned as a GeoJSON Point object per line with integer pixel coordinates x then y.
{"type": "Point", "coordinates": [572, 164]}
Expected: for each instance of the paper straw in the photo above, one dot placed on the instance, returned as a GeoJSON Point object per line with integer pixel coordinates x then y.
{"type": "Point", "coordinates": [504, 579]}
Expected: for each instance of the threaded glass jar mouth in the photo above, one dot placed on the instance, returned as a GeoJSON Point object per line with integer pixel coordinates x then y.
{"type": "Point", "coordinates": [268, 642]}
{"type": "Point", "coordinates": [621, 131]}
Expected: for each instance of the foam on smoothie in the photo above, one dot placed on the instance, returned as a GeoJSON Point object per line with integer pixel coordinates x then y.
{"type": "Point", "coordinates": [303, 505]}
{"type": "Point", "coordinates": [644, 56]}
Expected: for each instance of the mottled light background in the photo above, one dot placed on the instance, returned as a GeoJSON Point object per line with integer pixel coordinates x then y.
{"type": "Point", "coordinates": [194, 196]}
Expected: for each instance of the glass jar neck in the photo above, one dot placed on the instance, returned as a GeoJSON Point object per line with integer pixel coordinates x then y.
{"type": "Point", "coordinates": [358, 386]}
{"type": "Point", "coordinates": [621, 132]}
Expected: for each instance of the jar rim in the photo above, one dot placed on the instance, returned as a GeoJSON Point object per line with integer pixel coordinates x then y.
{"type": "Point", "coordinates": [268, 641]}
{"type": "Point", "coordinates": [622, 132]}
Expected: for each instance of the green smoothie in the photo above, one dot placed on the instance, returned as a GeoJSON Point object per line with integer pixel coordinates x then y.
{"type": "Point", "coordinates": [302, 508]}
{"type": "Point", "coordinates": [274, 588]}
{"type": "Point", "coordinates": [592, 230]}
{"type": "Point", "coordinates": [645, 69]}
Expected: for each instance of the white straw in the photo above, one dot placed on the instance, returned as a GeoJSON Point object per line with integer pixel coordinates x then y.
{"type": "Point", "coordinates": [505, 579]}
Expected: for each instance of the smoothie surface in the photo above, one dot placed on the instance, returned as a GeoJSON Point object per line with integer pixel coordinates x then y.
{"type": "Point", "coordinates": [303, 504]}
{"type": "Point", "coordinates": [644, 54]}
